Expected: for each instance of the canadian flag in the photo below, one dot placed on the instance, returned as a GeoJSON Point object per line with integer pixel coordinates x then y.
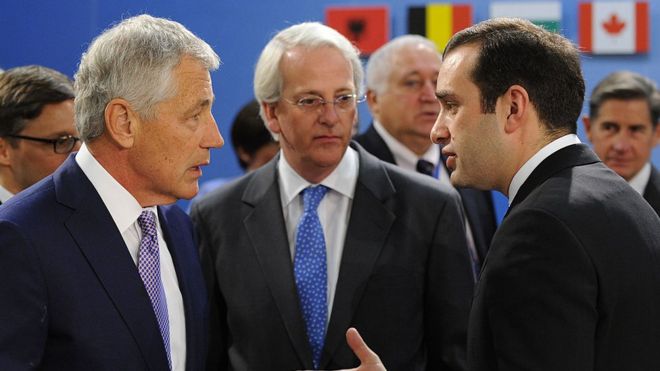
{"type": "Point", "coordinates": [614, 27]}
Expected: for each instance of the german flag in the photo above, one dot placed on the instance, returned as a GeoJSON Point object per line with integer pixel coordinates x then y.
{"type": "Point", "coordinates": [439, 22]}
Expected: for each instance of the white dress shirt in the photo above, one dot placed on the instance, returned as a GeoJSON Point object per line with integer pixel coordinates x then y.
{"type": "Point", "coordinates": [125, 210]}
{"type": "Point", "coordinates": [5, 195]}
{"type": "Point", "coordinates": [407, 159]}
{"type": "Point", "coordinates": [334, 210]}
{"type": "Point", "coordinates": [641, 179]}
{"type": "Point", "coordinates": [531, 164]}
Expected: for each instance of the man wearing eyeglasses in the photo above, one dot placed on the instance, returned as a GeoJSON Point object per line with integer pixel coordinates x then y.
{"type": "Point", "coordinates": [326, 236]}
{"type": "Point", "coordinates": [97, 271]}
{"type": "Point", "coordinates": [36, 126]}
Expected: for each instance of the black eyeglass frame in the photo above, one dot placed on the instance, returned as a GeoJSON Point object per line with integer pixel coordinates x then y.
{"type": "Point", "coordinates": [63, 140]}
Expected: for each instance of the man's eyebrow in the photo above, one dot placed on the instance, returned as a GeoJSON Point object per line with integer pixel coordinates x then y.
{"type": "Point", "coordinates": [200, 104]}
{"type": "Point", "coordinates": [413, 73]}
{"type": "Point", "coordinates": [442, 94]}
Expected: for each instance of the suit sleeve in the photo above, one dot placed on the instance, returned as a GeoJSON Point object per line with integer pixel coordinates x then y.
{"type": "Point", "coordinates": [449, 291]}
{"type": "Point", "coordinates": [217, 355]}
{"type": "Point", "coordinates": [540, 295]}
{"type": "Point", "coordinates": [23, 304]}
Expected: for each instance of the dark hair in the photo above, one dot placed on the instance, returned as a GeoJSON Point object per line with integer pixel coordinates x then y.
{"type": "Point", "coordinates": [626, 85]}
{"type": "Point", "coordinates": [24, 91]}
{"type": "Point", "coordinates": [517, 52]}
{"type": "Point", "coordinates": [249, 132]}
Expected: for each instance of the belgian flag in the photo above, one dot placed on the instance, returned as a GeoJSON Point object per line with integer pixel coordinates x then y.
{"type": "Point", "coordinates": [439, 22]}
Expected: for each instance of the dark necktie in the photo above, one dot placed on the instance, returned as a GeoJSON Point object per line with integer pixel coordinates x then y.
{"type": "Point", "coordinates": [149, 269]}
{"type": "Point", "coordinates": [425, 167]}
{"type": "Point", "coordinates": [310, 270]}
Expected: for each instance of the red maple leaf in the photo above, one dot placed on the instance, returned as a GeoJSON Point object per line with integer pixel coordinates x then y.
{"type": "Point", "coordinates": [614, 25]}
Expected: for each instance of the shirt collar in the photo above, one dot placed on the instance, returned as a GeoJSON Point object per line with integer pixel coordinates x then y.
{"type": "Point", "coordinates": [121, 205]}
{"type": "Point", "coordinates": [531, 164]}
{"type": "Point", "coordinates": [641, 179]}
{"type": "Point", "coordinates": [5, 194]}
{"type": "Point", "coordinates": [343, 178]}
{"type": "Point", "coordinates": [403, 156]}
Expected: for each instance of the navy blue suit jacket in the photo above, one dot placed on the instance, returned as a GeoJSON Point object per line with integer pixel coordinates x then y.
{"type": "Point", "coordinates": [71, 297]}
{"type": "Point", "coordinates": [478, 205]}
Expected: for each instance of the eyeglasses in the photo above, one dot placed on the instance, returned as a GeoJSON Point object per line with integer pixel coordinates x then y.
{"type": "Point", "coordinates": [314, 103]}
{"type": "Point", "coordinates": [61, 145]}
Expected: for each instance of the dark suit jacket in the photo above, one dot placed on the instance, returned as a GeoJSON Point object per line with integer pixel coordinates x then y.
{"type": "Point", "coordinates": [652, 190]}
{"type": "Point", "coordinates": [572, 279]}
{"type": "Point", "coordinates": [71, 297]}
{"type": "Point", "coordinates": [405, 280]}
{"type": "Point", "coordinates": [478, 205]}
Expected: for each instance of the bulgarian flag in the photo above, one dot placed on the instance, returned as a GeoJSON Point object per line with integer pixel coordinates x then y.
{"type": "Point", "coordinates": [614, 27]}
{"type": "Point", "coordinates": [439, 22]}
{"type": "Point", "coordinates": [546, 14]}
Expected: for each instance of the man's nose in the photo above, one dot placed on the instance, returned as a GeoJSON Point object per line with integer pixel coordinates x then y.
{"type": "Point", "coordinates": [427, 93]}
{"type": "Point", "coordinates": [329, 113]}
{"type": "Point", "coordinates": [621, 143]}
{"type": "Point", "coordinates": [213, 138]}
{"type": "Point", "coordinates": [440, 132]}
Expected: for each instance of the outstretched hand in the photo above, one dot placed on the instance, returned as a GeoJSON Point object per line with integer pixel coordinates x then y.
{"type": "Point", "coordinates": [369, 360]}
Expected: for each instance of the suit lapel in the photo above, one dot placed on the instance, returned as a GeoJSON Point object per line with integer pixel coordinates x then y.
{"type": "Point", "coordinates": [370, 222]}
{"type": "Point", "coordinates": [374, 144]}
{"type": "Point", "coordinates": [573, 155]}
{"type": "Point", "coordinates": [267, 233]}
{"type": "Point", "coordinates": [93, 229]}
{"type": "Point", "coordinates": [178, 242]}
{"type": "Point", "coordinates": [652, 191]}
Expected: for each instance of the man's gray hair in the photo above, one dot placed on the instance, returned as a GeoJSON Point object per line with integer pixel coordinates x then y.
{"type": "Point", "coordinates": [133, 60]}
{"type": "Point", "coordinates": [311, 35]}
{"type": "Point", "coordinates": [381, 61]}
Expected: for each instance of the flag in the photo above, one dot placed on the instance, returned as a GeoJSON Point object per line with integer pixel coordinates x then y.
{"type": "Point", "coordinates": [439, 22]}
{"type": "Point", "coordinates": [367, 27]}
{"type": "Point", "coordinates": [614, 27]}
{"type": "Point", "coordinates": [546, 14]}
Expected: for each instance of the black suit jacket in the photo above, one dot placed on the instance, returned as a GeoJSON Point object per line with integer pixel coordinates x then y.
{"type": "Point", "coordinates": [478, 205]}
{"type": "Point", "coordinates": [405, 280]}
{"type": "Point", "coordinates": [572, 278]}
{"type": "Point", "coordinates": [652, 190]}
{"type": "Point", "coordinates": [71, 297]}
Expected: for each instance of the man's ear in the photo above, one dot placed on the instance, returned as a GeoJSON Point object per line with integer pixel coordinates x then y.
{"type": "Point", "coordinates": [5, 152]}
{"type": "Point", "coordinates": [271, 117]}
{"type": "Point", "coordinates": [657, 135]}
{"type": "Point", "coordinates": [516, 106]}
{"type": "Point", "coordinates": [243, 155]}
{"type": "Point", "coordinates": [586, 121]}
{"type": "Point", "coordinates": [121, 122]}
{"type": "Point", "coordinates": [372, 101]}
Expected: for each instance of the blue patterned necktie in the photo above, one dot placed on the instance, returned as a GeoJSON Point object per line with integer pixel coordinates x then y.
{"type": "Point", "coordinates": [149, 269]}
{"type": "Point", "coordinates": [310, 270]}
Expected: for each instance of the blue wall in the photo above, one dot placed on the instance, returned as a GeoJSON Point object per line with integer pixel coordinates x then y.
{"type": "Point", "coordinates": [55, 33]}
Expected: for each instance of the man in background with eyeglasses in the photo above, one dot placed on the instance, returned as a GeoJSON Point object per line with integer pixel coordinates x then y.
{"type": "Point", "coordinates": [401, 78]}
{"type": "Point", "coordinates": [326, 236]}
{"type": "Point", "coordinates": [36, 126]}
